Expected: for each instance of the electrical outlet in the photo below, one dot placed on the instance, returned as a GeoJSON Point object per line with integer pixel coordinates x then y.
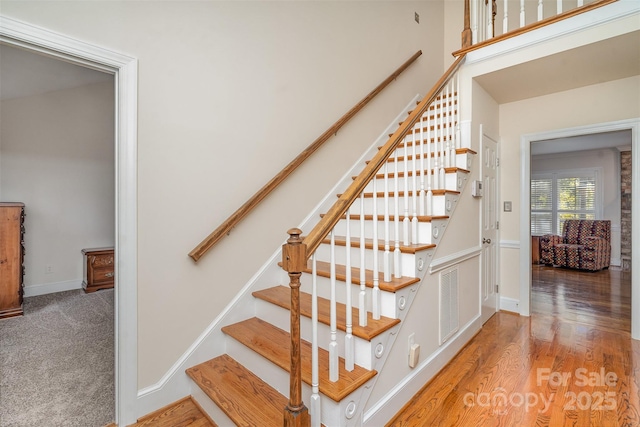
{"type": "Point", "coordinates": [417, 17]}
{"type": "Point", "coordinates": [412, 340]}
{"type": "Point", "coordinates": [48, 269]}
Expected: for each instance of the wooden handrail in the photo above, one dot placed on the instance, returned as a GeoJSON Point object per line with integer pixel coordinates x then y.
{"type": "Point", "coordinates": [238, 215]}
{"type": "Point", "coordinates": [466, 34]}
{"type": "Point", "coordinates": [333, 215]}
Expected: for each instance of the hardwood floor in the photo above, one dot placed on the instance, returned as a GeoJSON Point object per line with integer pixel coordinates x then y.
{"type": "Point", "coordinates": [572, 363]}
{"type": "Point", "coordinates": [601, 298]}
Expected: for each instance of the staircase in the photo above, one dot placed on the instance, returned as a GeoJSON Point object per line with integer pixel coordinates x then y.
{"type": "Point", "coordinates": [377, 255]}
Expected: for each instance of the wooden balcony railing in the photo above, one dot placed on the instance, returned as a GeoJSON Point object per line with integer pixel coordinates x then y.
{"type": "Point", "coordinates": [480, 27]}
{"type": "Point", "coordinates": [226, 227]}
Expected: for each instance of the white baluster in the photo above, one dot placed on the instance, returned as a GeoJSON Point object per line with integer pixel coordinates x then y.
{"type": "Point", "coordinates": [445, 120]}
{"type": "Point", "coordinates": [458, 108]}
{"type": "Point", "coordinates": [333, 345]}
{"type": "Point", "coordinates": [421, 199]}
{"type": "Point", "coordinates": [474, 20]}
{"type": "Point", "coordinates": [440, 152]}
{"type": "Point", "coordinates": [489, 19]}
{"type": "Point", "coordinates": [375, 294]}
{"type": "Point", "coordinates": [429, 174]}
{"type": "Point", "coordinates": [349, 343]}
{"type": "Point", "coordinates": [386, 265]}
{"type": "Point", "coordinates": [540, 10]}
{"type": "Point", "coordinates": [505, 19]}
{"type": "Point", "coordinates": [314, 404]}
{"type": "Point", "coordinates": [405, 221]}
{"type": "Point", "coordinates": [580, 3]}
{"type": "Point", "coordinates": [414, 189]}
{"type": "Point", "coordinates": [362, 296]}
{"type": "Point", "coordinates": [451, 127]}
{"type": "Point", "coordinates": [522, 15]}
{"type": "Point", "coordinates": [396, 221]}
{"type": "Point", "coordinates": [559, 7]}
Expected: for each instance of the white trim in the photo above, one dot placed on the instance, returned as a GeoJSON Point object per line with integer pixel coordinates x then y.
{"type": "Point", "coordinates": [509, 304]}
{"type": "Point", "coordinates": [50, 288]}
{"type": "Point", "coordinates": [125, 70]}
{"type": "Point", "coordinates": [525, 207]}
{"type": "Point", "coordinates": [510, 244]}
{"type": "Point", "coordinates": [380, 413]}
{"type": "Point", "coordinates": [453, 259]}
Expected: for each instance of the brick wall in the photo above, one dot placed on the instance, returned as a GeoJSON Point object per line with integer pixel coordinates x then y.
{"type": "Point", "coordinates": [625, 208]}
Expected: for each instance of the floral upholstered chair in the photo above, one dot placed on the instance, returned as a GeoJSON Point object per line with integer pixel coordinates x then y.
{"type": "Point", "coordinates": [585, 244]}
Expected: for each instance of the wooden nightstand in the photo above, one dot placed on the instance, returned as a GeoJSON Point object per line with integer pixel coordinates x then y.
{"type": "Point", "coordinates": [99, 271]}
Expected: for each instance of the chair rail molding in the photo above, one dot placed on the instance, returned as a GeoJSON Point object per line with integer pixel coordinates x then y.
{"type": "Point", "coordinates": [125, 70]}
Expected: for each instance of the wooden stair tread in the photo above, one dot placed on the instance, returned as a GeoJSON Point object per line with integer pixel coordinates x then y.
{"type": "Point", "coordinates": [281, 296]}
{"type": "Point", "coordinates": [421, 218]}
{"type": "Point", "coordinates": [273, 344]}
{"type": "Point", "coordinates": [393, 286]}
{"type": "Point", "coordinates": [185, 412]}
{"type": "Point", "coordinates": [418, 156]}
{"type": "Point", "coordinates": [242, 395]}
{"type": "Point", "coordinates": [368, 244]}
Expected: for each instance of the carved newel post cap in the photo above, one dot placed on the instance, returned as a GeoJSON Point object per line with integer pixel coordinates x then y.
{"type": "Point", "coordinates": [294, 234]}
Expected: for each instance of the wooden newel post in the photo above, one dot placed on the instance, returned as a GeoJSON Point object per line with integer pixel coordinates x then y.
{"type": "Point", "coordinates": [294, 258]}
{"type": "Point", "coordinates": [467, 38]}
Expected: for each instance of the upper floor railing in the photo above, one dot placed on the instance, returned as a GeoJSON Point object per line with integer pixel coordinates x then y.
{"type": "Point", "coordinates": [487, 22]}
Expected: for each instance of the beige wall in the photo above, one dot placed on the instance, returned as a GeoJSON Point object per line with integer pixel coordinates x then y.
{"type": "Point", "coordinates": [229, 93]}
{"type": "Point", "coordinates": [58, 158]}
{"type": "Point", "coordinates": [601, 103]}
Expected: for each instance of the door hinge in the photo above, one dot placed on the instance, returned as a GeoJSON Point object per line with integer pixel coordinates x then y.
{"type": "Point", "coordinates": [497, 161]}
{"type": "Point", "coordinates": [497, 225]}
{"type": "Point", "coordinates": [497, 289]}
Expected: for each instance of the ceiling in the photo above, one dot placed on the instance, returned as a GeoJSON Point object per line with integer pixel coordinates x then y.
{"type": "Point", "coordinates": [24, 73]}
{"type": "Point", "coordinates": [611, 59]}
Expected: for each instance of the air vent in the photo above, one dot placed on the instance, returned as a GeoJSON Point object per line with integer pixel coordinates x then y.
{"type": "Point", "coordinates": [448, 304]}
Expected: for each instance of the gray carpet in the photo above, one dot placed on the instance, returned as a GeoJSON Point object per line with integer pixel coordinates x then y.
{"type": "Point", "coordinates": [56, 362]}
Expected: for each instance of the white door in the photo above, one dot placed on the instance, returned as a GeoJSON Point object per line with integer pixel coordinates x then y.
{"type": "Point", "coordinates": [489, 221]}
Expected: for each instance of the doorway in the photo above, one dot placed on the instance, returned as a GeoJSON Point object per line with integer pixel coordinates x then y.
{"type": "Point", "coordinates": [525, 220]}
{"type": "Point", "coordinates": [124, 69]}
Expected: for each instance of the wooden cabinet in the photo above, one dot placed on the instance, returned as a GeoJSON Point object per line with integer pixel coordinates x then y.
{"type": "Point", "coordinates": [11, 259]}
{"type": "Point", "coordinates": [99, 272]}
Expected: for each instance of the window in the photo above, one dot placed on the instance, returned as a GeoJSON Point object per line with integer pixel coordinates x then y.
{"type": "Point", "coordinates": [559, 196]}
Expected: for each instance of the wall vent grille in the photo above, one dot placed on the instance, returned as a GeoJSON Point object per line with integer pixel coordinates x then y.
{"type": "Point", "coordinates": [448, 304]}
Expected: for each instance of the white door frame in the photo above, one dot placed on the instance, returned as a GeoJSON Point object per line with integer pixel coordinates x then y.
{"type": "Point", "coordinates": [525, 208]}
{"type": "Point", "coordinates": [125, 71]}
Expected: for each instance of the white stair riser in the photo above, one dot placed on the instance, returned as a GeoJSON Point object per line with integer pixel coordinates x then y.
{"type": "Point", "coordinates": [442, 205]}
{"type": "Point", "coordinates": [450, 183]}
{"type": "Point", "coordinates": [426, 230]}
{"type": "Point", "coordinates": [280, 317]}
{"type": "Point", "coordinates": [388, 299]}
{"type": "Point", "coordinates": [209, 407]}
{"type": "Point", "coordinates": [323, 253]}
{"type": "Point", "coordinates": [279, 379]}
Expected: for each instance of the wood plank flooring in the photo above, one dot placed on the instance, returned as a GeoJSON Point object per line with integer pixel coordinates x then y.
{"type": "Point", "coordinates": [572, 363]}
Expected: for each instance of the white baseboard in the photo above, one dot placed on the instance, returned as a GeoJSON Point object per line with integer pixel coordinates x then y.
{"type": "Point", "coordinates": [397, 397]}
{"type": "Point", "coordinates": [50, 288]}
{"type": "Point", "coordinates": [510, 304]}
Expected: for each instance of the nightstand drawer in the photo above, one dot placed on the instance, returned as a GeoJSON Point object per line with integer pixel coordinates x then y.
{"type": "Point", "coordinates": [99, 269]}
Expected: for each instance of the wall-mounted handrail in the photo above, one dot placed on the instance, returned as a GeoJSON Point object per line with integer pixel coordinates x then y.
{"type": "Point", "coordinates": [250, 204]}
{"type": "Point", "coordinates": [333, 215]}
{"type": "Point", "coordinates": [468, 44]}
